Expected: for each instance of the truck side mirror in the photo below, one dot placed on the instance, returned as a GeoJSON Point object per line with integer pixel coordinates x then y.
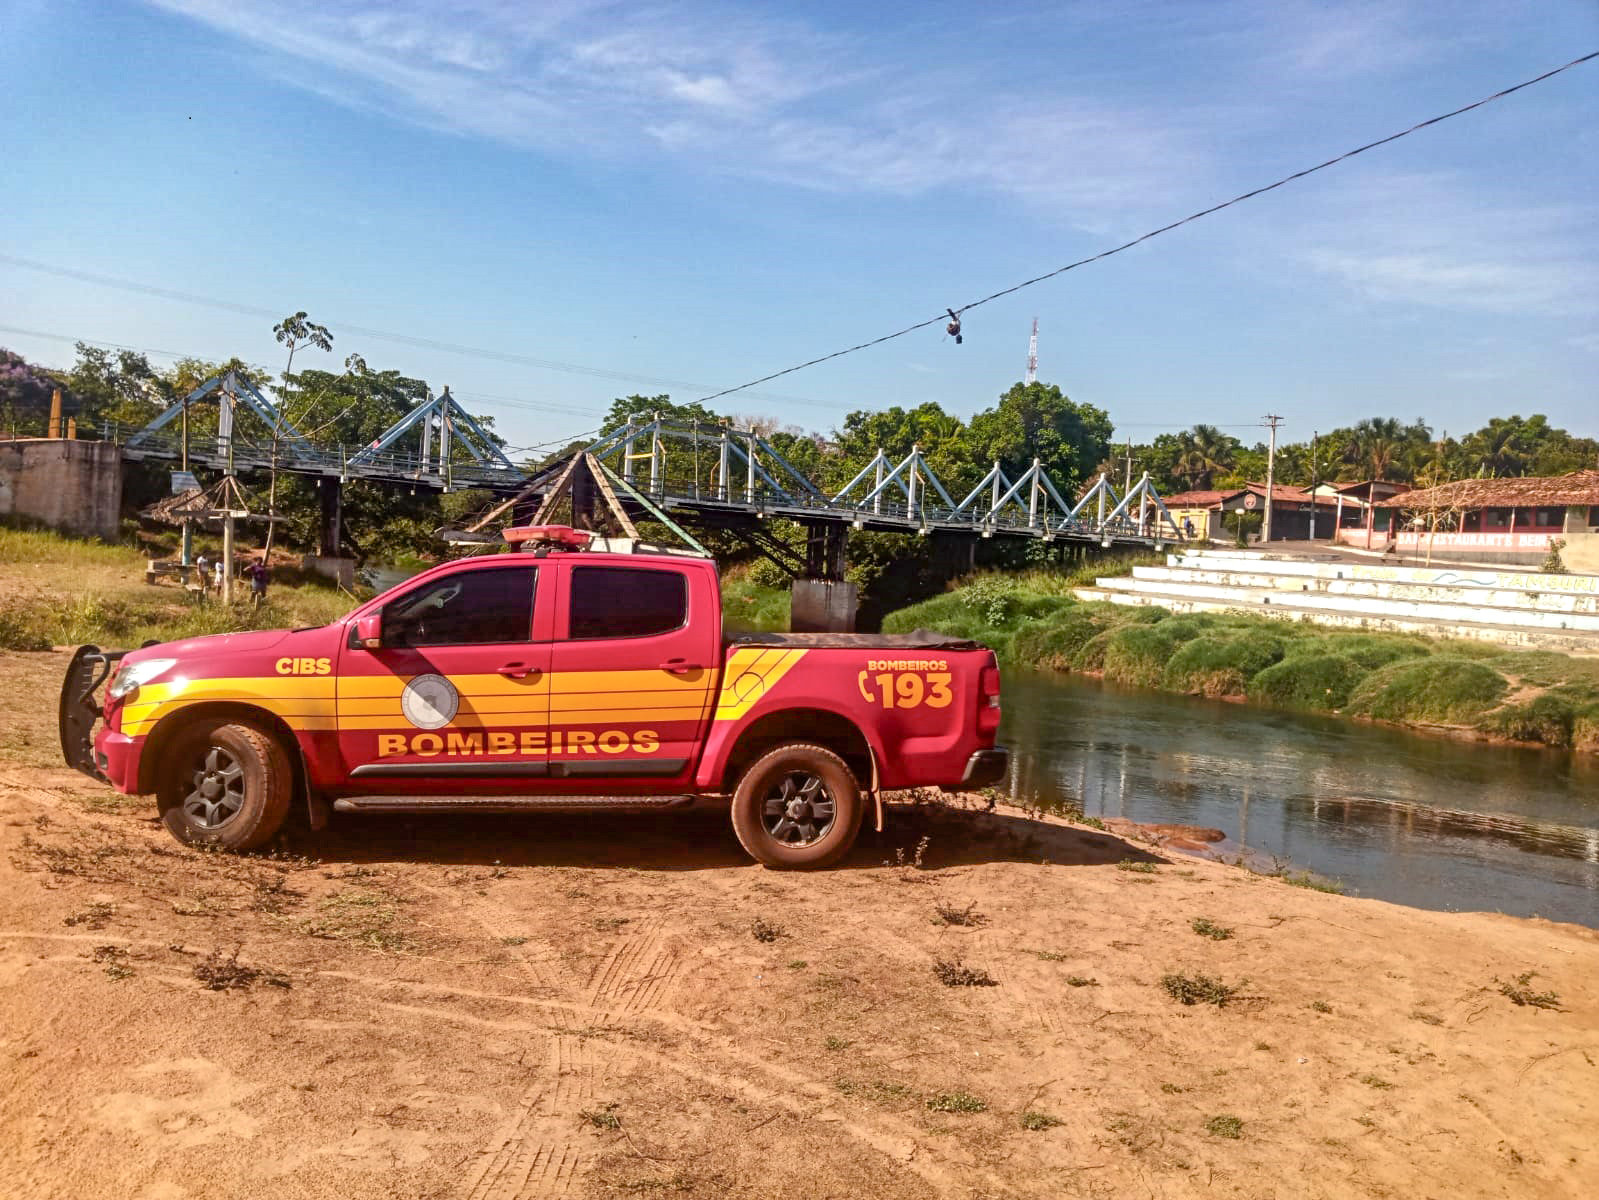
{"type": "Point", "coordinates": [367, 632]}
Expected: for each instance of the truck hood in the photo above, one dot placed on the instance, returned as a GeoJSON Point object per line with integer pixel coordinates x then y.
{"type": "Point", "coordinates": [253, 642]}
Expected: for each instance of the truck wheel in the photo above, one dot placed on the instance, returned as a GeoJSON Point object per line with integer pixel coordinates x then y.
{"type": "Point", "coordinates": [226, 785]}
{"type": "Point", "coordinates": [797, 807]}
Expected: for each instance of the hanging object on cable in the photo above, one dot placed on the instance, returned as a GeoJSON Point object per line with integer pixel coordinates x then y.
{"type": "Point", "coordinates": [954, 326]}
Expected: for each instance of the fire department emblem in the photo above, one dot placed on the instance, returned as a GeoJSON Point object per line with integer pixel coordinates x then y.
{"type": "Point", "coordinates": [430, 702]}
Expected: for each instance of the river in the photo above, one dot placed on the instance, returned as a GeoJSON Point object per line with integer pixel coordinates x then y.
{"type": "Point", "coordinates": [1418, 820]}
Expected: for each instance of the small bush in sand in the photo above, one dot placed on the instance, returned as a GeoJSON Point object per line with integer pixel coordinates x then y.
{"type": "Point", "coordinates": [957, 1102]}
{"type": "Point", "coordinates": [1081, 981]}
{"type": "Point", "coordinates": [1198, 989]}
{"type": "Point", "coordinates": [951, 972]}
{"type": "Point", "coordinates": [1321, 1006]}
{"type": "Point", "coordinates": [1225, 1125]}
{"type": "Point", "coordinates": [1138, 868]}
{"type": "Point", "coordinates": [1314, 883]}
{"type": "Point", "coordinates": [227, 974]}
{"type": "Point", "coordinates": [1205, 927]}
{"type": "Point", "coordinates": [1519, 991]}
{"type": "Point", "coordinates": [1426, 1018]}
{"type": "Point", "coordinates": [763, 930]}
{"type": "Point", "coordinates": [601, 1118]}
{"type": "Point", "coordinates": [1373, 1081]}
{"type": "Point", "coordinates": [912, 862]}
{"type": "Point", "coordinates": [950, 915]}
{"type": "Point", "coordinates": [1035, 1122]}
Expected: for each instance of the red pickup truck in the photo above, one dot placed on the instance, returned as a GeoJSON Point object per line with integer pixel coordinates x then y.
{"type": "Point", "coordinates": [547, 677]}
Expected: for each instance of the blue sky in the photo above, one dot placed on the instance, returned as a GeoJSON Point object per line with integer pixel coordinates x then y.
{"type": "Point", "coordinates": [704, 193]}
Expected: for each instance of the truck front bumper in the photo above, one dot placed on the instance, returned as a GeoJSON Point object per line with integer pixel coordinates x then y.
{"type": "Point", "coordinates": [986, 767]}
{"type": "Point", "coordinates": [78, 713]}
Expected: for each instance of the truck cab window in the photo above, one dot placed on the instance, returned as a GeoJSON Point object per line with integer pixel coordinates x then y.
{"type": "Point", "coordinates": [465, 609]}
{"type": "Point", "coordinates": [615, 602]}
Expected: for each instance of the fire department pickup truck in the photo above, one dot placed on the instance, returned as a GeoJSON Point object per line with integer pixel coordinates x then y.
{"type": "Point", "coordinates": [547, 677]}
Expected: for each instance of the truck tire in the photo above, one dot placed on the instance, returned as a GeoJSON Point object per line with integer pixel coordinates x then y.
{"type": "Point", "coordinates": [226, 784]}
{"type": "Point", "coordinates": [797, 807]}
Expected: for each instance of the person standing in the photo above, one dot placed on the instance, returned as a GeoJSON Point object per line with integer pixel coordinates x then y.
{"type": "Point", "coordinates": [221, 572]}
{"type": "Point", "coordinates": [257, 571]}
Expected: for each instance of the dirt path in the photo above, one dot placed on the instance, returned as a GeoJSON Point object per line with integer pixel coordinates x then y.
{"type": "Point", "coordinates": [490, 1008]}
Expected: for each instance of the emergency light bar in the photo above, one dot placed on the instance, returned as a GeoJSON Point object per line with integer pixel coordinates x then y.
{"type": "Point", "coordinates": [560, 536]}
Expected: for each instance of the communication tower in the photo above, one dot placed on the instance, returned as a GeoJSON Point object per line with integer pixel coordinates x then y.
{"type": "Point", "coordinates": [1032, 354]}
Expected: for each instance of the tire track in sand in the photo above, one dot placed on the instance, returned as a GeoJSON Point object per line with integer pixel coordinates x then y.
{"type": "Point", "coordinates": [535, 1153]}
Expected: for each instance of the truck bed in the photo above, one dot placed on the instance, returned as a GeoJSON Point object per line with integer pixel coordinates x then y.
{"type": "Point", "coordinates": [921, 639]}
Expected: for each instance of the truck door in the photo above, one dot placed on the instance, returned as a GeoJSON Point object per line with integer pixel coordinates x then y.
{"type": "Point", "coordinates": [633, 673]}
{"type": "Point", "coordinates": [457, 696]}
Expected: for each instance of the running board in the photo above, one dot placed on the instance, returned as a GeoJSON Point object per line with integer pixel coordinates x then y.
{"type": "Point", "coordinates": [508, 804]}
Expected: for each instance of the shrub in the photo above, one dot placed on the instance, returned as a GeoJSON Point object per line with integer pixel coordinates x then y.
{"type": "Point", "coordinates": [1225, 1125]}
{"type": "Point", "coordinates": [1198, 989]}
{"type": "Point", "coordinates": [1217, 665]}
{"type": "Point", "coordinates": [1313, 681]}
{"type": "Point", "coordinates": [1091, 656]}
{"type": "Point", "coordinates": [1053, 642]}
{"type": "Point", "coordinates": [1430, 689]}
{"type": "Point", "coordinates": [1585, 728]}
{"type": "Point", "coordinates": [1548, 719]}
{"type": "Point", "coordinates": [1137, 654]}
{"type": "Point", "coordinates": [1368, 650]}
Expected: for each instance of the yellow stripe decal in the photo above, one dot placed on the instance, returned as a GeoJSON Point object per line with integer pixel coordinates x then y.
{"type": "Point", "coordinates": [750, 674]}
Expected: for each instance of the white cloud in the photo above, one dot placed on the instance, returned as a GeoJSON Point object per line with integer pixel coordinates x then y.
{"type": "Point", "coordinates": [1432, 240]}
{"type": "Point", "coordinates": [728, 91]}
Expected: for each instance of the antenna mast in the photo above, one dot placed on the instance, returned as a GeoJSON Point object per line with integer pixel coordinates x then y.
{"type": "Point", "coordinates": [1032, 354]}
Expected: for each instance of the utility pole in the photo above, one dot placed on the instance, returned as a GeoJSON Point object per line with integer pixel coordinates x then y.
{"type": "Point", "coordinates": [1127, 483]}
{"type": "Point", "coordinates": [1271, 474]}
{"type": "Point", "coordinates": [225, 422]}
{"type": "Point", "coordinates": [1315, 482]}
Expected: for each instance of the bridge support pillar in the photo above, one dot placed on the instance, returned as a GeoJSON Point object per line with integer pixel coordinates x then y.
{"type": "Point", "coordinates": [330, 530]}
{"type": "Point", "coordinates": [823, 602]}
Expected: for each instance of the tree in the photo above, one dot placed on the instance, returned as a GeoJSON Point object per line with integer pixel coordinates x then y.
{"type": "Point", "coordinates": [119, 387]}
{"type": "Point", "coordinates": [24, 391]}
{"type": "Point", "coordinates": [1038, 420]}
{"type": "Point", "coordinates": [1203, 454]}
{"type": "Point", "coordinates": [293, 331]}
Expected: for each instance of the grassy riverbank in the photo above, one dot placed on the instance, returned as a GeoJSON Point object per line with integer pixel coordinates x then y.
{"type": "Point", "coordinates": [1031, 619]}
{"type": "Point", "coordinates": [62, 591]}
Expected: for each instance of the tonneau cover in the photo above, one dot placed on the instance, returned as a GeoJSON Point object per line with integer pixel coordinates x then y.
{"type": "Point", "coordinates": [922, 639]}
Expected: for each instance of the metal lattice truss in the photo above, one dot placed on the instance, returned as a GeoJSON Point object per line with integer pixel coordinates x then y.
{"type": "Point", "coordinates": [713, 467]}
{"type": "Point", "coordinates": [231, 391]}
{"type": "Point", "coordinates": [440, 425]}
{"type": "Point", "coordinates": [418, 448]}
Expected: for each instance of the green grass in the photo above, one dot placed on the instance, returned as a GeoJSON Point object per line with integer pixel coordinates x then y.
{"type": "Point", "coordinates": [751, 607]}
{"type": "Point", "coordinates": [61, 591]}
{"type": "Point", "coordinates": [1031, 620]}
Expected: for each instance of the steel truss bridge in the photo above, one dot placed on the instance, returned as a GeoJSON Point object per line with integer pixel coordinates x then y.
{"type": "Point", "coordinates": [437, 444]}
{"type": "Point", "coordinates": [733, 479]}
{"type": "Point", "coordinates": [710, 474]}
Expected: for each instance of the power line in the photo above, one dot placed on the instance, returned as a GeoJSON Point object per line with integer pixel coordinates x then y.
{"type": "Point", "coordinates": [404, 339]}
{"type": "Point", "coordinates": [1204, 212]}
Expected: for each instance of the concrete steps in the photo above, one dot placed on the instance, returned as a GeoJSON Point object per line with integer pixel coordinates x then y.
{"type": "Point", "coordinates": [1514, 608]}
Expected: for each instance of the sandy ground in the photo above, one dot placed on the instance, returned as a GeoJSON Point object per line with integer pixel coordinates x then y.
{"type": "Point", "coordinates": [488, 1008]}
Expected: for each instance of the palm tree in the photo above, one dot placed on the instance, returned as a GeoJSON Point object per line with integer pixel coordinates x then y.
{"type": "Point", "coordinates": [1204, 452]}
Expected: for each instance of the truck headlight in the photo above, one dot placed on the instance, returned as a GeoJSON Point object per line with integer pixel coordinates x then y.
{"type": "Point", "coordinates": [133, 675]}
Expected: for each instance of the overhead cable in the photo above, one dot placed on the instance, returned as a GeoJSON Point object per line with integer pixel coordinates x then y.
{"type": "Point", "coordinates": [952, 316]}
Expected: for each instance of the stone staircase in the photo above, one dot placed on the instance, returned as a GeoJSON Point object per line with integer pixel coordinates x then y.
{"type": "Point", "coordinates": [1515, 608]}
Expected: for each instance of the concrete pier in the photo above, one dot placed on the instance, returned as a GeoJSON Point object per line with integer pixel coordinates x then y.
{"type": "Point", "coordinates": [65, 483]}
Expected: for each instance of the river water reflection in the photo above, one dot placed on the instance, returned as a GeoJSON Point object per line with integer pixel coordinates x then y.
{"type": "Point", "coordinates": [1404, 817]}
